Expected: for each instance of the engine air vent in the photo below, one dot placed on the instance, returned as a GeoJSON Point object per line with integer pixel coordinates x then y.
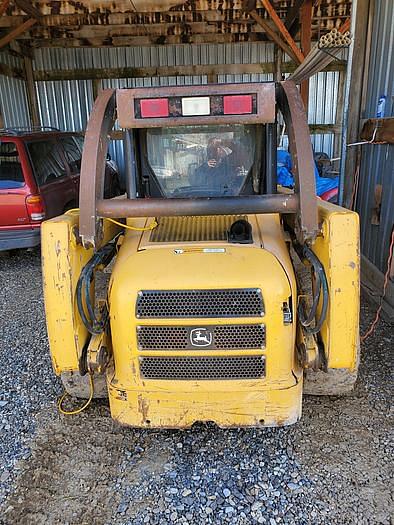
{"type": "Point", "coordinates": [193, 229]}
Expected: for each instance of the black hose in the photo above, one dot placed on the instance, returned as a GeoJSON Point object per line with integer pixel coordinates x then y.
{"type": "Point", "coordinates": [321, 288]}
{"type": "Point", "coordinates": [83, 292]}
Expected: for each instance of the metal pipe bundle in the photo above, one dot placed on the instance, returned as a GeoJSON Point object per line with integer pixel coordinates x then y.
{"type": "Point", "coordinates": [318, 58]}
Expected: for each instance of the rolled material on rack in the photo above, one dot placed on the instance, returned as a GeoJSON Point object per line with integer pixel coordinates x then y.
{"type": "Point", "coordinates": [322, 54]}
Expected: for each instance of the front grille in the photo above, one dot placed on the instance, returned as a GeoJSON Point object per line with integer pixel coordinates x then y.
{"type": "Point", "coordinates": [221, 337]}
{"type": "Point", "coordinates": [236, 302]}
{"type": "Point", "coordinates": [202, 368]}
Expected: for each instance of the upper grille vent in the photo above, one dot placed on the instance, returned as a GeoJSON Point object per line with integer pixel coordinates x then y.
{"type": "Point", "coordinates": [171, 304]}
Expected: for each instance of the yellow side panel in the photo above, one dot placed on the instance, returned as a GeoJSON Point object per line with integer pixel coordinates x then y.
{"type": "Point", "coordinates": [62, 262]}
{"type": "Point", "coordinates": [338, 250]}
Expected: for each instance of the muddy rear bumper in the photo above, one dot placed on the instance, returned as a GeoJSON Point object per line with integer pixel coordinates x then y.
{"type": "Point", "coordinates": [243, 408]}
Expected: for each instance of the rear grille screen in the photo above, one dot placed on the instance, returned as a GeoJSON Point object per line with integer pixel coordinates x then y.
{"type": "Point", "coordinates": [209, 337]}
{"type": "Point", "coordinates": [236, 302]}
{"type": "Point", "coordinates": [200, 368]}
{"type": "Point", "coordinates": [193, 229]}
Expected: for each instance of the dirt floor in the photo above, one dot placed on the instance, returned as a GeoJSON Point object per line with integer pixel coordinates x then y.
{"type": "Point", "coordinates": [86, 469]}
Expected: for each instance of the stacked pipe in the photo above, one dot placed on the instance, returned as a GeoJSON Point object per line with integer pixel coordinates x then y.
{"type": "Point", "coordinates": [324, 52]}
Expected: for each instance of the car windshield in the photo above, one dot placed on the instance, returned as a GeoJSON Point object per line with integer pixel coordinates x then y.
{"type": "Point", "coordinates": [201, 160]}
{"type": "Point", "coordinates": [11, 175]}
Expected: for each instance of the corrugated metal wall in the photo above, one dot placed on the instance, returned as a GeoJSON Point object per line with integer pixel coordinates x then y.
{"type": "Point", "coordinates": [13, 101]}
{"type": "Point", "coordinates": [67, 104]}
{"type": "Point", "coordinates": [377, 161]}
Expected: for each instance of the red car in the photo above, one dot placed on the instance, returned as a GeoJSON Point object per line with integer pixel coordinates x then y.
{"type": "Point", "coordinates": [39, 179]}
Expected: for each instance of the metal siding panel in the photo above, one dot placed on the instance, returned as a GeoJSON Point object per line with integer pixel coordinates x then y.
{"type": "Point", "coordinates": [377, 161]}
{"type": "Point", "coordinates": [13, 102]}
{"type": "Point", "coordinates": [67, 104]}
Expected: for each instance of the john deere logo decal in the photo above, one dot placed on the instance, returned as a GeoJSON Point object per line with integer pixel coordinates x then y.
{"type": "Point", "coordinates": [201, 337]}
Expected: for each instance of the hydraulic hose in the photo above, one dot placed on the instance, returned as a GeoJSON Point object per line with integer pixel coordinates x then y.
{"type": "Point", "coordinates": [321, 289]}
{"type": "Point", "coordinates": [85, 308]}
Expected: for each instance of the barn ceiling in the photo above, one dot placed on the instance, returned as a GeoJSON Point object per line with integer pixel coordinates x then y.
{"type": "Point", "coordinates": [99, 23]}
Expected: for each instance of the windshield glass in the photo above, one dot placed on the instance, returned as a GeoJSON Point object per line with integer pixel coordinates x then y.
{"type": "Point", "coordinates": [201, 160]}
{"type": "Point", "coordinates": [11, 175]}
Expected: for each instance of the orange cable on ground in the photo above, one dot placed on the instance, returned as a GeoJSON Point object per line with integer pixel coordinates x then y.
{"type": "Point", "coordinates": [371, 329]}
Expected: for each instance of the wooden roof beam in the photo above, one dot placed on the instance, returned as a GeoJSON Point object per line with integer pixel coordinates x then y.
{"type": "Point", "coordinates": [293, 14]}
{"type": "Point", "coordinates": [273, 35]}
{"type": "Point", "coordinates": [28, 8]}
{"type": "Point", "coordinates": [9, 37]}
{"type": "Point", "coordinates": [3, 6]}
{"type": "Point", "coordinates": [283, 30]}
{"type": "Point", "coordinates": [306, 41]}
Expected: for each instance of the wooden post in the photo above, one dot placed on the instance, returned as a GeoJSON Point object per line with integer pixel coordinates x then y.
{"type": "Point", "coordinates": [306, 38]}
{"type": "Point", "coordinates": [339, 113]}
{"type": "Point", "coordinates": [278, 64]}
{"type": "Point", "coordinates": [353, 98]}
{"type": "Point", "coordinates": [31, 93]}
{"type": "Point", "coordinates": [96, 88]}
{"type": "Point", "coordinates": [212, 78]}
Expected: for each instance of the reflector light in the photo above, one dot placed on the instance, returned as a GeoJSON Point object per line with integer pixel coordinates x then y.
{"type": "Point", "coordinates": [196, 106]}
{"type": "Point", "coordinates": [154, 107]}
{"type": "Point", "coordinates": [237, 104]}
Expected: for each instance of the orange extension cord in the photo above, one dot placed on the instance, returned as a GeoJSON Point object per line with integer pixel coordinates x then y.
{"type": "Point", "coordinates": [372, 327]}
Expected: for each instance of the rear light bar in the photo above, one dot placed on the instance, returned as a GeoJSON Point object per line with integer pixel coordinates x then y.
{"type": "Point", "coordinates": [195, 106]}
{"type": "Point", "coordinates": [35, 208]}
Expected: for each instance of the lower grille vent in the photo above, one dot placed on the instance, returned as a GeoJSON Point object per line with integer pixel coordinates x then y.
{"type": "Point", "coordinates": [202, 368]}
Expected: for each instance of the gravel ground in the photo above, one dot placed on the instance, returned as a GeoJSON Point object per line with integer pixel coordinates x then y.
{"type": "Point", "coordinates": [335, 466]}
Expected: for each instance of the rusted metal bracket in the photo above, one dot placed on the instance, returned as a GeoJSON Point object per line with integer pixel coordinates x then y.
{"type": "Point", "coordinates": [291, 106]}
{"type": "Point", "coordinates": [94, 155]}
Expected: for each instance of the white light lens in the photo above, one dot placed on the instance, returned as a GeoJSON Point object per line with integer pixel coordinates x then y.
{"type": "Point", "coordinates": [195, 106]}
{"type": "Point", "coordinates": [37, 216]}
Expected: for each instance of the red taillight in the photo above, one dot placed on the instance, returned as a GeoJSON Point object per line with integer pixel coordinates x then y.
{"type": "Point", "coordinates": [35, 207]}
{"type": "Point", "coordinates": [154, 107]}
{"type": "Point", "coordinates": [237, 104]}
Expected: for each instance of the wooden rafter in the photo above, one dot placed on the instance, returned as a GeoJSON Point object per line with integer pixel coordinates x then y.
{"type": "Point", "coordinates": [282, 30]}
{"type": "Point", "coordinates": [273, 35]}
{"type": "Point", "coordinates": [3, 6]}
{"type": "Point", "coordinates": [306, 40]}
{"type": "Point", "coordinates": [345, 26]}
{"type": "Point", "coordinates": [293, 13]}
{"type": "Point", "coordinates": [28, 8]}
{"type": "Point", "coordinates": [9, 37]}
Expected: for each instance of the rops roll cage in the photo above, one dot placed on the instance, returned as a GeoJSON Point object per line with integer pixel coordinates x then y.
{"type": "Point", "coordinates": [122, 104]}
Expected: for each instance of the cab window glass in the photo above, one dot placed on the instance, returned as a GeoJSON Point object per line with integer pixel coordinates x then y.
{"type": "Point", "coordinates": [73, 153]}
{"type": "Point", "coordinates": [47, 162]}
{"type": "Point", "coordinates": [11, 174]}
{"type": "Point", "coordinates": [201, 160]}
